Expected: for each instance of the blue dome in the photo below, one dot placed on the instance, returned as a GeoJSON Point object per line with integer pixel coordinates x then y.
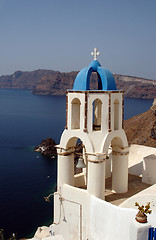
{"type": "Point", "coordinates": [106, 80]}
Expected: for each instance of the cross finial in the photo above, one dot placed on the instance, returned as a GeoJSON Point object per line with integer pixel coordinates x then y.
{"type": "Point", "coordinates": [95, 53]}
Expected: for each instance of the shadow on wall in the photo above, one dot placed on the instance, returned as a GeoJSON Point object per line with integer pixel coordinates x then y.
{"type": "Point", "coordinates": [137, 169]}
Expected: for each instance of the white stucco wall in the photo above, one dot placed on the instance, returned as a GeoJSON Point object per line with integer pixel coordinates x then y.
{"type": "Point", "coordinates": [74, 210]}
{"type": "Point", "coordinates": [136, 155]}
{"type": "Point", "coordinates": [149, 169]}
{"type": "Point", "coordinates": [82, 216]}
{"type": "Point", "coordinates": [147, 195]}
{"type": "Point", "coordinates": [143, 197]}
{"type": "Point", "coordinates": [109, 222]}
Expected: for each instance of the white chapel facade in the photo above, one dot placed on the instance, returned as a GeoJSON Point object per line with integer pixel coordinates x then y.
{"type": "Point", "coordinates": [96, 118]}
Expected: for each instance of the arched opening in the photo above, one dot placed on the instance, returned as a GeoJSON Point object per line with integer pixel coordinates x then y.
{"type": "Point", "coordinates": [116, 146]}
{"type": "Point", "coordinates": [79, 150]}
{"type": "Point", "coordinates": [113, 146]}
{"type": "Point", "coordinates": [97, 110]}
{"type": "Point", "coordinates": [116, 114]}
{"type": "Point", "coordinates": [75, 113]}
{"type": "Point", "coordinates": [119, 166]}
{"type": "Point", "coordinates": [95, 81]}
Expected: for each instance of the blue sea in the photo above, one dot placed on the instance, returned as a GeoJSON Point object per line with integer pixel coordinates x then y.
{"type": "Point", "coordinates": [26, 177]}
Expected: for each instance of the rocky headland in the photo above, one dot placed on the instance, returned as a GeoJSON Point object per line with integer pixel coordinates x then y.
{"type": "Point", "coordinates": [141, 129]}
{"type": "Point", "coordinates": [49, 82]}
{"type": "Point", "coordinates": [47, 147]}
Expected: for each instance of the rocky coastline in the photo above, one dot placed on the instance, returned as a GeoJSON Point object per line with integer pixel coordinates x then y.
{"type": "Point", "coordinates": [47, 148]}
{"type": "Point", "coordinates": [49, 82]}
{"type": "Point", "coordinates": [141, 129]}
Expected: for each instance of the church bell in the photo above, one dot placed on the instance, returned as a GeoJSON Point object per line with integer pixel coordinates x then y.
{"type": "Point", "coordinates": [81, 163]}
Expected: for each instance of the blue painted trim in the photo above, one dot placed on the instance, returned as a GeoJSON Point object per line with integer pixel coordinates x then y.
{"type": "Point", "coordinates": [154, 234]}
{"type": "Point", "coordinates": [151, 234]}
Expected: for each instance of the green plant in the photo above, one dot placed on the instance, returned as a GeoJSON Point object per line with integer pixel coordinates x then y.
{"type": "Point", "coordinates": [144, 209]}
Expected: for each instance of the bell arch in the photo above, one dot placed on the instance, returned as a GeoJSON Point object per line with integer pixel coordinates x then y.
{"type": "Point", "coordinates": [120, 135]}
{"type": "Point", "coordinates": [120, 150]}
{"type": "Point", "coordinates": [79, 152]}
{"type": "Point", "coordinates": [66, 158]}
{"type": "Point", "coordinates": [70, 137]}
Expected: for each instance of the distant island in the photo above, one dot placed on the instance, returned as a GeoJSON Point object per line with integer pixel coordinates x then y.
{"type": "Point", "coordinates": [49, 82]}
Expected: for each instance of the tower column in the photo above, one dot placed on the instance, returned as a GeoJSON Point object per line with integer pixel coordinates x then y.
{"type": "Point", "coordinates": [120, 171]}
{"type": "Point", "coordinates": [96, 175]}
{"type": "Point", "coordinates": [65, 168]}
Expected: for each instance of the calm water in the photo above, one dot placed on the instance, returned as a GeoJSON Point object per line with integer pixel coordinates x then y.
{"type": "Point", "coordinates": [25, 176]}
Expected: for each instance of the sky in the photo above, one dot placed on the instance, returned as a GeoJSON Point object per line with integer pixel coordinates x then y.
{"type": "Point", "coordinates": [61, 34]}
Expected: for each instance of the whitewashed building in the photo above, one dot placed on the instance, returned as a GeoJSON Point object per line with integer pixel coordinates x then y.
{"type": "Point", "coordinates": [96, 118]}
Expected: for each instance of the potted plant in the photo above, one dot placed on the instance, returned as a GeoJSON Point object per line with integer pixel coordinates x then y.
{"type": "Point", "coordinates": [141, 216]}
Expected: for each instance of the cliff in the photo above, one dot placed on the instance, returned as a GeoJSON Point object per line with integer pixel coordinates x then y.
{"type": "Point", "coordinates": [49, 82]}
{"type": "Point", "coordinates": [141, 129]}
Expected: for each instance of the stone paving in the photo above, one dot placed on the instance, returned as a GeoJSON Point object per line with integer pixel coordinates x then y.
{"type": "Point", "coordinates": [135, 185]}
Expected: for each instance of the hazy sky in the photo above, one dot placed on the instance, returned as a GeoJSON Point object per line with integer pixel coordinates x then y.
{"type": "Point", "coordinates": [60, 34]}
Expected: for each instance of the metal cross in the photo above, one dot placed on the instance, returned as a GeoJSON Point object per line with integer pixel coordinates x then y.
{"type": "Point", "coordinates": [95, 53]}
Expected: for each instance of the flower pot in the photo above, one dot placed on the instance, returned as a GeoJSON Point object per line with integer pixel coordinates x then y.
{"type": "Point", "coordinates": [141, 217]}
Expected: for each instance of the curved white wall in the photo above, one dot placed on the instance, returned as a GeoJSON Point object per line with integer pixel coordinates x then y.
{"type": "Point", "coordinates": [88, 217]}
{"type": "Point", "coordinates": [109, 222]}
{"type": "Point", "coordinates": [136, 155]}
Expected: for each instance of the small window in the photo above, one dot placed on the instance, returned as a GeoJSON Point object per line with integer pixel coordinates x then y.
{"type": "Point", "coordinates": [75, 116]}
{"type": "Point", "coordinates": [97, 105]}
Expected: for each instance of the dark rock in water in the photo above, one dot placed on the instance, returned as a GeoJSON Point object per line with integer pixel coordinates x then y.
{"type": "Point", "coordinates": [47, 147]}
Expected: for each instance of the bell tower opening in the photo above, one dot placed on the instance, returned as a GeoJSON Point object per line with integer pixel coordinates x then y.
{"type": "Point", "coordinates": [79, 161]}
{"type": "Point", "coordinates": [78, 153]}
{"type": "Point", "coordinates": [75, 115]}
{"type": "Point", "coordinates": [94, 81]}
{"type": "Point", "coordinates": [97, 109]}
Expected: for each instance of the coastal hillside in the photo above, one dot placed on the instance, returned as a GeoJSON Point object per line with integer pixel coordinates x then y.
{"type": "Point", "coordinates": [141, 129]}
{"type": "Point", "coordinates": [49, 82]}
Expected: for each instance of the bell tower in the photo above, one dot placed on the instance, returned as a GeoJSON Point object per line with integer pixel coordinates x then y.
{"type": "Point", "coordinates": [96, 118]}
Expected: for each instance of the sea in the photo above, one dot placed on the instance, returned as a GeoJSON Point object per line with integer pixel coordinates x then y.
{"type": "Point", "coordinates": [26, 177]}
